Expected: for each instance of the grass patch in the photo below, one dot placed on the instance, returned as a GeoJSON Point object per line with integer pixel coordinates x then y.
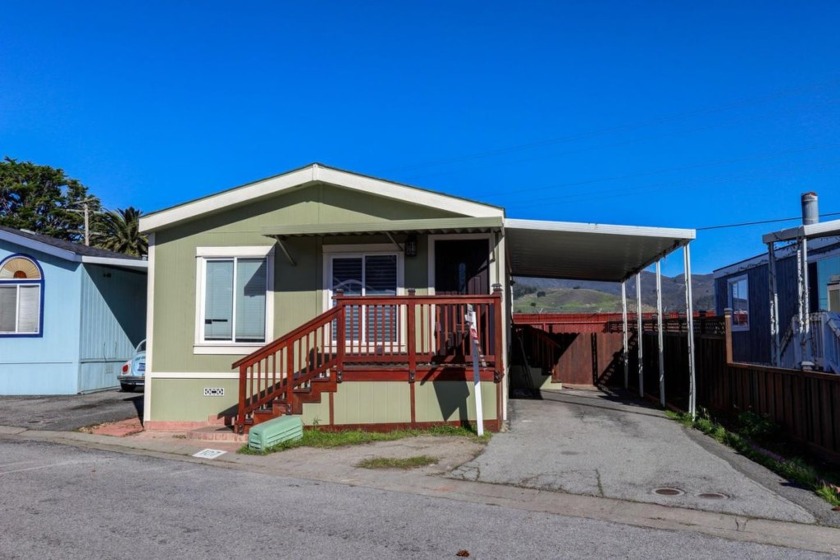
{"type": "Point", "coordinates": [404, 463]}
{"type": "Point", "coordinates": [316, 437]}
{"type": "Point", "coordinates": [750, 436]}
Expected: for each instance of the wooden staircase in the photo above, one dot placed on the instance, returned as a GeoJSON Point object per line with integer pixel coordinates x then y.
{"type": "Point", "coordinates": [280, 406]}
{"type": "Point", "coordinates": [295, 369]}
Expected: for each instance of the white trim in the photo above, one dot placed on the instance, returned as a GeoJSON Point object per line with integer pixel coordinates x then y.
{"type": "Point", "coordinates": [308, 175]}
{"type": "Point", "coordinates": [227, 349]}
{"type": "Point", "coordinates": [150, 329]}
{"type": "Point", "coordinates": [202, 347]}
{"type": "Point", "coordinates": [607, 229]}
{"type": "Point", "coordinates": [809, 231]}
{"type": "Point", "coordinates": [491, 256]}
{"type": "Point", "coordinates": [121, 263]}
{"type": "Point", "coordinates": [66, 255]}
{"type": "Point", "coordinates": [191, 375]}
{"type": "Point", "coordinates": [729, 283]}
{"type": "Point", "coordinates": [235, 251]}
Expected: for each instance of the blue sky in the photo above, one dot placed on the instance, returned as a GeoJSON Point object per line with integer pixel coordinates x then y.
{"type": "Point", "coordinates": [674, 114]}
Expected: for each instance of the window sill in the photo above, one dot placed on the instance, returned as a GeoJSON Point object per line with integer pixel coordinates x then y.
{"type": "Point", "coordinates": [226, 350]}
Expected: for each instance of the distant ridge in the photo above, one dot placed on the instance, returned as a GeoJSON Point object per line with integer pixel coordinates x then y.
{"type": "Point", "coordinates": [547, 295]}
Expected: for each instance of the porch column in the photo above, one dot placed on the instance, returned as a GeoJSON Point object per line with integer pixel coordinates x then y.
{"type": "Point", "coordinates": [660, 337]}
{"type": "Point", "coordinates": [625, 358]}
{"type": "Point", "coordinates": [689, 316]}
{"type": "Point", "coordinates": [639, 333]}
{"type": "Point", "coordinates": [775, 350]}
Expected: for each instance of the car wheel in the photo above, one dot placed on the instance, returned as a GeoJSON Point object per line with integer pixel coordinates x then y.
{"type": "Point", "coordinates": [127, 388]}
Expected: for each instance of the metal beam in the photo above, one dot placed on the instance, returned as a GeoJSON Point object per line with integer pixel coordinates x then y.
{"type": "Point", "coordinates": [394, 241]}
{"type": "Point", "coordinates": [689, 315]}
{"type": "Point", "coordinates": [639, 334]}
{"type": "Point", "coordinates": [285, 250]}
{"type": "Point", "coordinates": [660, 338]}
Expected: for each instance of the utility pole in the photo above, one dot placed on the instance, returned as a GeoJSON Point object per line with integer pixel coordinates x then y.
{"type": "Point", "coordinates": [87, 224]}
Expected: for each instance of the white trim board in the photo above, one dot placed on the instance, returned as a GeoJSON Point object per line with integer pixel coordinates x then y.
{"type": "Point", "coordinates": [312, 174]}
{"type": "Point", "coordinates": [34, 245]}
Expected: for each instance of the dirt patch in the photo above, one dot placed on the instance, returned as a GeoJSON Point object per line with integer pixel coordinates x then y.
{"type": "Point", "coordinates": [117, 429]}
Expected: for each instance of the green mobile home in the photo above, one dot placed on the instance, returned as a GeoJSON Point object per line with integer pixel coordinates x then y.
{"type": "Point", "coordinates": [343, 297]}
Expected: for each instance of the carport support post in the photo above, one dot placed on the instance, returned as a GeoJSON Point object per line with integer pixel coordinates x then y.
{"type": "Point", "coordinates": [639, 332]}
{"type": "Point", "coordinates": [689, 317]}
{"type": "Point", "coordinates": [660, 337]}
{"type": "Point", "coordinates": [624, 355]}
{"type": "Point", "coordinates": [775, 359]}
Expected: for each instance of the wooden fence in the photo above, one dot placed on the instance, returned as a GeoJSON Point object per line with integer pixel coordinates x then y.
{"type": "Point", "coordinates": [805, 404]}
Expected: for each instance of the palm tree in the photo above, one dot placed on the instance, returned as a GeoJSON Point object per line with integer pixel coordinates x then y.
{"type": "Point", "coordinates": [119, 230]}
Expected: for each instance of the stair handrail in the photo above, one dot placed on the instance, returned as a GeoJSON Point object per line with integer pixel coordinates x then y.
{"type": "Point", "coordinates": [286, 386]}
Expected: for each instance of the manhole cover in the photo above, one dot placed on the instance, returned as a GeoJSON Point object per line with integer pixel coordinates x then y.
{"type": "Point", "coordinates": [668, 491]}
{"type": "Point", "coordinates": [713, 496]}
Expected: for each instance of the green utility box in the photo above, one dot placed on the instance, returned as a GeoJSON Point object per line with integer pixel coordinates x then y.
{"type": "Point", "coordinates": [270, 433]}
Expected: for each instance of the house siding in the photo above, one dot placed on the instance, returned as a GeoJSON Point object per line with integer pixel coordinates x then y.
{"type": "Point", "coordinates": [178, 374]}
{"type": "Point", "coordinates": [298, 292]}
{"type": "Point", "coordinates": [46, 364]}
{"type": "Point", "coordinates": [113, 321]}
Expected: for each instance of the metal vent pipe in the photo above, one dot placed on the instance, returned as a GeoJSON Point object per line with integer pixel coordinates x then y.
{"type": "Point", "coordinates": [810, 208]}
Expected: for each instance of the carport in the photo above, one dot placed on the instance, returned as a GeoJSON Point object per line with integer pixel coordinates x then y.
{"type": "Point", "coordinates": [608, 253]}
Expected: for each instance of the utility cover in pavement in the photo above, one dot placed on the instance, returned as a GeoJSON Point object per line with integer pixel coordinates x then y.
{"type": "Point", "coordinates": [209, 453]}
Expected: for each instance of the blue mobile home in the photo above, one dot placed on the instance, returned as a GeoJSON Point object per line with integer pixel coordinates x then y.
{"type": "Point", "coordinates": [70, 315]}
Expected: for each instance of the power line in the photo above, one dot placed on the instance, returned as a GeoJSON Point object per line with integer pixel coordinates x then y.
{"type": "Point", "coordinates": [756, 223]}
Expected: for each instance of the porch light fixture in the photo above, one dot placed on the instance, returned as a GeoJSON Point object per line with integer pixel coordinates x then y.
{"type": "Point", "coordinates": [410, 248]}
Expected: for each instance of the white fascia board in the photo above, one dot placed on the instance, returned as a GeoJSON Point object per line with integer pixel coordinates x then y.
{"type": "Point", "coordinates": [119, 263]}
{"type": "Point", "coordinates": [311, 174]}
{"type": "Point", "coordinates": [231, 197]}
{"type": "Point", "coordinates": [395, 191]}
{"type": "Point", "coordinates": [607, 229]}
{"type": "Point", "coordinates": [810, 231]}
{"type": "Point", "coordinates": [38, 246]}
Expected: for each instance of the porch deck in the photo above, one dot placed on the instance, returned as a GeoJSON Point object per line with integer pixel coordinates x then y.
{"type": "Point", "coordinates": [404, 339]}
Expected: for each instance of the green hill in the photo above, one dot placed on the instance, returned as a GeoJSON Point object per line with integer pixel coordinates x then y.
{"type": "Point", "coordinates": [542, 295]}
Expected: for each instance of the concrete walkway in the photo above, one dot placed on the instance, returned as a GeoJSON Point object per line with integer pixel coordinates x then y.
{"type": "Point", "coordinates": [595, 444]}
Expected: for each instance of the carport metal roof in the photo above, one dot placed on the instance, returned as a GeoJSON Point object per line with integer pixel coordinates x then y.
{"type": "Point", "coordinates": [582, 251]}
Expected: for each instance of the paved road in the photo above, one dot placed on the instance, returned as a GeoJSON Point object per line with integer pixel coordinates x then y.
{"type": "Point", "coordinates": [71, 412]}
{"type": "Point", "coordinates": [591, 443]}
{"type": "Point", "coordinates": [64, 502]}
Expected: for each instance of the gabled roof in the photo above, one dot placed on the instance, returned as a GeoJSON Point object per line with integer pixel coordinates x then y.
{"type": "Point", "coordinates": [312, 174]}
{"type": "Point", "coordinates": [69, 251]}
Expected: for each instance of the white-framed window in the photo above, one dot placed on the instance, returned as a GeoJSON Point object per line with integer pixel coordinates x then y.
{"type": "Point", "coordinates": [21, 291]}
{"type": "Point", "coordinates": [739, 302]}
{"type": "Point", "coordinates": [234, 297]}
{"type": "Point", "coordinates": [366, 271]}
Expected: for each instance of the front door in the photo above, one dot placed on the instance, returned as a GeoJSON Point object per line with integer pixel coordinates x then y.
{"type": "Point", "coordinates": [462, 266]}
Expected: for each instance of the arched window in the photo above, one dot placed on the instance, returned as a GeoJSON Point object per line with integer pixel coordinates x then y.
{"type": "Point", "coordinates": [21, 288]}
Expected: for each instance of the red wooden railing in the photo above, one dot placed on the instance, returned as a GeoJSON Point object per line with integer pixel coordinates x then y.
{"type": "Point", "coordinates": [365, 331]}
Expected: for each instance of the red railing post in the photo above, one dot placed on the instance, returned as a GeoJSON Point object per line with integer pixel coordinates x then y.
{"type": "Point", "coordinates": [240, 416]}
{"type": "Point", "coordinates": [498, 351]}
{"type": "Point", "coordinates": [411, 346]}
{"type": "Point", "coordinates": [290, 376]}
{"type": "Point", "coordinates": [340, 332]}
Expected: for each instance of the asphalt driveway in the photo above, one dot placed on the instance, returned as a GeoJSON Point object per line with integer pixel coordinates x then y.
{"type": "Point", "coordinates": [613, 446]}
{"type": "Point", "coordinates": [70, 412]}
